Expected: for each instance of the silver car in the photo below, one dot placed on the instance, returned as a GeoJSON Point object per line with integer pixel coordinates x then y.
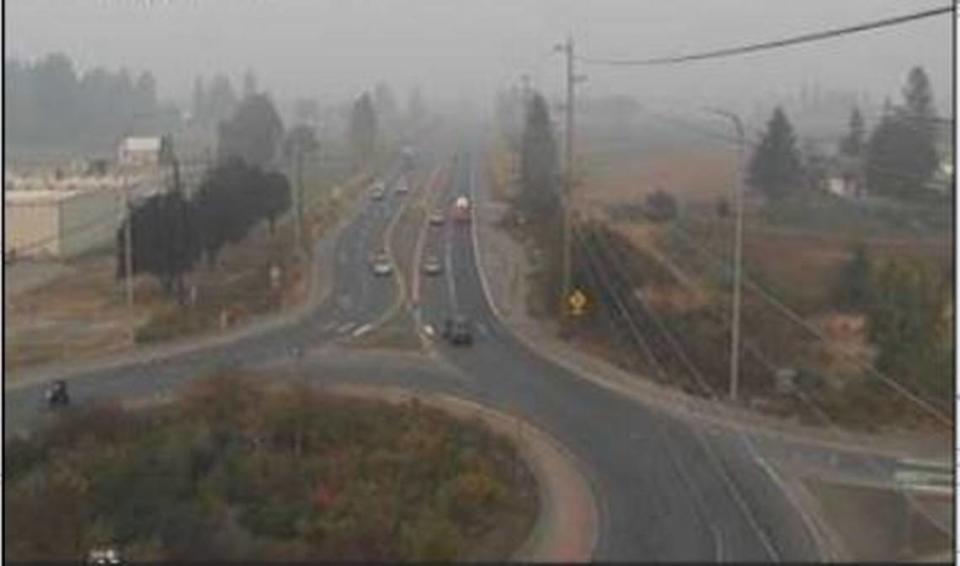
{"type": "Point", "coordinates": [381, 265]}
{"type": "Point", "coordinates": [432, 266]}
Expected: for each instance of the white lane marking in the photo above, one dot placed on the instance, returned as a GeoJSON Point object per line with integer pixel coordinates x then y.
{"type": "Point", "coordinates": [345, 327]}
{"type": "Point", "coordinates": [475, 218]}
{"type": "Point", "coordinates": [362, 330]}
{"type": "Point", "coordinates": [700, 508]}
{"type": "Point", "coordinates": [448, 260]}
{"type": "Point", "coordinates": [738, 498]}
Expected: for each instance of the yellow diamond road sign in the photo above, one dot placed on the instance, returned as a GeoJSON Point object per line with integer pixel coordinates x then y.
{"type": "Point", "coordinates": [577, 301]}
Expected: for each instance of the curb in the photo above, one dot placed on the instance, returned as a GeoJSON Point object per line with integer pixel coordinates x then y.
{"type": "Point", "coordinates": [320, 287]}
{"type": "Point", "coordinates": [556, 536]}
{"type": "Point", "coordinates": [657, 398]}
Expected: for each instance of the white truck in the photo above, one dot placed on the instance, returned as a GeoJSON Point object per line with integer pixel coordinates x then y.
{"type": "Point", "coordinates": [461, 209]}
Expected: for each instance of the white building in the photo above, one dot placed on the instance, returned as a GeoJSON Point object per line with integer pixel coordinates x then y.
{"type": "Point", "coordinates": [140, 152]}
{"type": "Point", "coordinates": [60, 223]}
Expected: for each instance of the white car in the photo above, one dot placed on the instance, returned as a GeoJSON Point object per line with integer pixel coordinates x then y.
{"type": "Point", "coordinates": [436, 219]}
{"type": "Point", "coordinates": [378, 190]}
{"type": "Point", "coordinates": [402, 188]}
{"type": "Point", "coordinates": [381, 265]}
{"type": "Point", "coordinates": [432, 266]}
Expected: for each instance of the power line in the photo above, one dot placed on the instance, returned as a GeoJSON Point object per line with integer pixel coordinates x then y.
{"type": "Point", "coordinates": [754, 143]}
{"type": "Point", "coordinates": [799, 320]}
{"type": "Point", "coordinates": [807, 401]}
{"type": "Point", "coordinates": [634, 330]}
{"type": "Point", "coordinates": [752, 348]}
{"type": "Point", "coordinates": [751, 48]}
{"type": "Point", "coordinates": [661, 326]}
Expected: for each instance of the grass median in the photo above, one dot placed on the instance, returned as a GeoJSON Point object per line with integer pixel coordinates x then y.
{"type": "Point", "coordinates": [231, 470]}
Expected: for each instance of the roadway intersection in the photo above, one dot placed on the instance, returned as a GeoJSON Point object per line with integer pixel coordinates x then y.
{"type": "Point", "coordinates": [666, 489]}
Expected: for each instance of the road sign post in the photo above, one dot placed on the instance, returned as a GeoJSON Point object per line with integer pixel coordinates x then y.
{"type": "Point", "coordinates": [577, 302]}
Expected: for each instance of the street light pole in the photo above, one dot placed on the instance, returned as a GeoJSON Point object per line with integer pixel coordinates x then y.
{"type": "Point", "coordinates": [737, 252]}
{"type": "Point", "coordinates": [128, 255]}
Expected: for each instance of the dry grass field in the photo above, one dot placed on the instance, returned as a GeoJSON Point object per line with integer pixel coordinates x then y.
{"type": "Point", "coordinates": [690, 175]}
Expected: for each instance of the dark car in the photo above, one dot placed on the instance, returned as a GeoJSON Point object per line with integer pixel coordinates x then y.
{"type": "Point", "coordinates": [457, 331]}
{"type": "Point", "coordinates": [57, 395]}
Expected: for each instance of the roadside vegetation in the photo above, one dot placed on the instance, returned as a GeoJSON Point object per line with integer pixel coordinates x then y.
{"type": "Point", "coordinates": [215, 255]}
{"type": "Point", "coordinates": [846, 255]}
{"type": "Point", "coordinates": [234, 471]}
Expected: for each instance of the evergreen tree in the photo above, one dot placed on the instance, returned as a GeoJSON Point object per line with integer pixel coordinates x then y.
{"type": "Point", "coordinates": [538, 161]}
{"type": "Point", "coordinates": [199, 101]}
{"type": "Point", "coordinates": [164, 240]}
{"type": "Point", "coordinates": [775, 168]}
{"type": "Point", "coordinates": [384, 101]}
{"type": "Point", "coordinates": [853, 292]}
{"type": "Point", "coordinates": [853, 144]}
{"type": "Point", "coordinates": [249, 84]}
{"type": "Point", "coordinates": [902, 155]}
{"type": "Point", "coordinates": [908, 321]}
{"type": "Point", "coordinates": [221, 99]}
{"type": "Point", "coordinates": [253, 133]}
{"type": "Point", "coordinates": [363, 129]}
{"type": "Point", "coordinates": [416, 108]}
{"type": "Point", "coordinates": [918, 100]}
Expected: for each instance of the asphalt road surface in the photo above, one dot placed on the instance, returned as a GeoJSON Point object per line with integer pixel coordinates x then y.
{"type": "Point", "coordinates": [665, 489]}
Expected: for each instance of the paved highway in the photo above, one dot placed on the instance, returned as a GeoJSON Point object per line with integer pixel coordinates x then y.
{"type": "Point", "coordinates": [357, 298]}
{"type": "Point", "coordinates": [665, 489]}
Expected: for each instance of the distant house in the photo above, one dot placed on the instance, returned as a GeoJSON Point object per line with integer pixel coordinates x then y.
{"type": "Point", "coordinates": [943, 177]}
{"type": "Point", "coordinates": [141, 151]}
{"type": "Point", "coordinates": [844, 177]}
{"type": "Point", "coordinates": [60, 223]}
{"type": "Point", "coordinates": [61, 216]}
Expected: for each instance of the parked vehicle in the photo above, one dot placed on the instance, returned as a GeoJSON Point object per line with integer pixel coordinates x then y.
{"type": "Point", "coordinates": [437, 219]}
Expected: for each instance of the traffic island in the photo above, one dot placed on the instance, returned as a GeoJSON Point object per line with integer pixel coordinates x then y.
{"type": "Point", "coordinates": [233, 470]}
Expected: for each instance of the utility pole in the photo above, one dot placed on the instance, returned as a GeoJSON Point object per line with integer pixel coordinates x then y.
{"type": "Point", "coordinates": [737, 252]}
{"type": "Point", "coordinates": [128, 254]}
{"type": "Point", "coordinates": [571, 79]}
{"type": "Point", "coordinates": [298, 217]}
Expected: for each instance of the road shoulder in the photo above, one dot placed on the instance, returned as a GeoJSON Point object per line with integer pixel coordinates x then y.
{"type": "Point", "coordinates": [497, 252]}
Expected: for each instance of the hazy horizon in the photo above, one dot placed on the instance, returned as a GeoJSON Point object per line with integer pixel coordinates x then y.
{"type": "Point", "coordinates": [466, 50]}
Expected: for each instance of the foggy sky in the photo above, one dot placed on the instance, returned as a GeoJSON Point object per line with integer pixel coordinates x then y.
{"type": "Point", "coordinates": [461, 48]}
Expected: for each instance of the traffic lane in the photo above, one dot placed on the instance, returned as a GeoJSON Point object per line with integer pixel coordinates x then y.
{"type": "Point", "coordinates": [511, 378]}
{"type": "Point", "coordinates": [651, 511]}
{"type": "Point", "coordinates": [359, 296]}
{"type": "Point", "coordinates": [726, 518]}
{"type": "Point", "coordinates": [25, 408]}
{"type": "Point", "coordinates": [438, 292]}
{"type": "Point", "coordinates": [645, 512]}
